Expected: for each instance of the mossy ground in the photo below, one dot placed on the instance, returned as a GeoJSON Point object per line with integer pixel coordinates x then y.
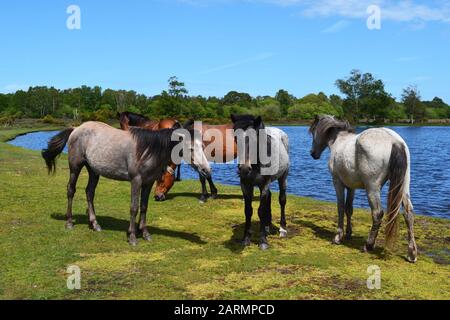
{"type": "Point", "coordinates": [195, 252]}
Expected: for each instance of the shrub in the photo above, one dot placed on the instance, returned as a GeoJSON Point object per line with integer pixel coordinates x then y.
{"type": "Point", "coordinates": [50, 120]}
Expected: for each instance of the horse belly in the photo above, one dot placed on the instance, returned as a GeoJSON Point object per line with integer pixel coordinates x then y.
{"type": "Point", "coordinates": [109, 162]}
{"type": "Point", "coordinates": [346, 171]}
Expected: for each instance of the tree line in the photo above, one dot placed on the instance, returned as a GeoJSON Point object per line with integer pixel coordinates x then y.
{"type": "Point", "coordinates": [364, 99]}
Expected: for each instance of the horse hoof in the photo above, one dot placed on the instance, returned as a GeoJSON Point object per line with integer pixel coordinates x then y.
{"type": "Point", "coordinates": [263, 246]}
{"type": "Point", "coordinates": [96, 227]}
{"type": "Point", "coordinates": [411, 259]}
{"type": "Point", "coordinates": [132, 240]}
{"type": "Point", "coordinates": [69, 225]}
{"type": "Point", "coordinates": [283, 233]}
{"type": "Point", "coordinates": [246, 242]}
{"type": "Point", "coordinates": [337, 240]}
{"type": "Point", "coordinates": [348, 237]}
{"type": "Point", "coordinates": [147, 237]}
{"type": "Point", "coordinates": [214, 196]}
{"type": "Point", "coordinates": [203, 200]}
{"type": "Point", "coordinates": [367, 248]}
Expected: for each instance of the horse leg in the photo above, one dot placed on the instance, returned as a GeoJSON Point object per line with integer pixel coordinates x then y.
{"type": "Point", "coordinates": [90, 195]}
{"type": "Point", "coordinates": [204, 196]}
{"type": "Point", "coordinates": [282, 200]}
{"type": "Point", "coordinates": [412, 247]}
{"type": "Point", "coordinates": [340, 195]}
{"type": "Point", "coordinates": [178, 173]}
{"type": "Point", "coordinates": [212, 187]}
{"type": "Point", "coordinates": [145, 194]}
{"type": "Point", "coordinates": [374, 196]}
{"type": "Point", "coordinates": [247, 191]}
{"type": "Point", "coordinates": [265, 216]}
{"type": "Point", "coordinates": [71, 190]}
{"type": "Point", "coordinates": [135, 188]}
{"type": "Point", "coordinates": [349, 212]}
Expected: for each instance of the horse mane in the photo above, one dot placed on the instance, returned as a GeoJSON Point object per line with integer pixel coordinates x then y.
{"type": "Point", "coordinates": [156, 143]}
{"type": "Point", "coordinates": [323, 123]}
{"type": "Point", "coordinates": [135, 118]}
{"type": "Point", "coordinates": [153, 143]}
{"type": "Point", "coordinates": [245, 121]}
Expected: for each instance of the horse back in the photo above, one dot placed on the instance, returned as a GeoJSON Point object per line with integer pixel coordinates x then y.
{"type": "Point", "coordinates": [107, 150]}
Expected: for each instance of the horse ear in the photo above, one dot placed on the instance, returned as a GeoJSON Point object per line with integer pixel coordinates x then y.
{"type": "Point", "coordinates": [233, 118]}
{"type": "Point", "coordinates": [317, 118]}
{"type": "Point", "coordinates": [258, 122]}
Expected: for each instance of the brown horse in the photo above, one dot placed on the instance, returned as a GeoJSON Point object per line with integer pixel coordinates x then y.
{"type": "Point", "coordinates": [167, 180]}
{"type": "Point", "coordinates": [214, 136]}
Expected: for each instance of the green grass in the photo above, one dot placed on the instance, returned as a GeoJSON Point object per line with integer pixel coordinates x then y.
{"type": "Point", "coordinates": [194, 253]}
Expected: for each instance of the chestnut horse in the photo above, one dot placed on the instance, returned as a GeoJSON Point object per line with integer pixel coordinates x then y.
{"type": "Point", "coordinates": [227, 141]}
{"type": "Point", "coordinates": [167, 180]}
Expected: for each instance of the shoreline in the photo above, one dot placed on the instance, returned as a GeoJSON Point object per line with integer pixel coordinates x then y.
{"type": "Point", "coordinates": [56, 128]}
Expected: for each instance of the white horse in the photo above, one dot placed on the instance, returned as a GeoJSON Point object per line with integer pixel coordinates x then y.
{"type": "Point", "coordinates": [367, 161]}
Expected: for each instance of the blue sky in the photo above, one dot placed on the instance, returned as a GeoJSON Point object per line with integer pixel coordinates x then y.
{"type": "Point", "coordinates": [256, 46]}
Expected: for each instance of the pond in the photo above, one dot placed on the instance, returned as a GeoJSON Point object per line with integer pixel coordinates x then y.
{"type": "Point", "coordinates": [430, 168]}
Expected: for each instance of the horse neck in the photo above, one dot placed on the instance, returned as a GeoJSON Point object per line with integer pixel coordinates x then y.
{"type": "Point", "coordinates": [339, 139]}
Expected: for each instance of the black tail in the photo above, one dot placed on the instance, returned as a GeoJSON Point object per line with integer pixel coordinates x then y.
{"type": "Point", "coordinates": [54, 149]}
{"type": "Point", "coordinates": [398, 166]}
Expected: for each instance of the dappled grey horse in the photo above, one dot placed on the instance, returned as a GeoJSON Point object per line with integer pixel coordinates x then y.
{"type": "Point", "coordinates": [254, 172]}
{"type": "Point", "coordinates": [367, 161]}
{"type": "Point", "coordinates": [138, 155]}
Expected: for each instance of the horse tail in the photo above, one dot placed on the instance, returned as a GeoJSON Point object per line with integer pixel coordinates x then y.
{"type": "Point", "coordinates": [55, 147]}
{"type": "Point", "coordinates": [399, 178]}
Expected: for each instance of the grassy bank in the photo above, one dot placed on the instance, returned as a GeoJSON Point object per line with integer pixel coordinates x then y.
{"type": "Point", "coordinates": [194, 253]}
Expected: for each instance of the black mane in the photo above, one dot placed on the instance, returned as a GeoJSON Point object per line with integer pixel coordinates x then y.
{"type": "Point", "coordinates": [134, 119]}
{"type": "Point", "coordinates": [323, 123]}
{"type": "Point", "coordinates": [245, 122]}
{"type": "Point", "coordinates": [150, 144]}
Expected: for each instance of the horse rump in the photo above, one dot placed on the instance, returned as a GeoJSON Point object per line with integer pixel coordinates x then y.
{"type": "Point", "coordinates": [55, 147]}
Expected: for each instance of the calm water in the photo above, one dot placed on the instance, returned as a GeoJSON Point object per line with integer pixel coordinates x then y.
{"type": "Point", "coordinates": [430, 168]}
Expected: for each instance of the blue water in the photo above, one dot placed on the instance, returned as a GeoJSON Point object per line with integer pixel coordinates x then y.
{"type": "Point", "coordinates": [430, 168]}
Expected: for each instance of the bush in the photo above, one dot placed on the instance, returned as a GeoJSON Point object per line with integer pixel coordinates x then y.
{"type": "Point", "coordinates": [307, 111]}
{"type": "Point", "coordinates": [7, 121]}
{"type": "Point", "coordinates": [48, 119]}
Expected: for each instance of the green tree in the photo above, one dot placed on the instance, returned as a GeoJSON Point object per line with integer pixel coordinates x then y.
{"type": "Point", "coordinates": [285, 100]}
{"type": "Point", "coordinates": [237, 98]}
{"type": "Point", "coordinates": [365, 96]}
{"type": "Point", "coordinates": [177, 88]}
{"type": "Point", "coordinates": [411, 99]}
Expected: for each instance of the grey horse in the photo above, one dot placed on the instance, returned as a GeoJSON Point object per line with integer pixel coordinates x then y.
{"type": "Point", "coordinates": [254, 172]}
{"type": "Point", "coordinates": [367, 161]}
{"type": "Point", "coordinates": [138, 155]}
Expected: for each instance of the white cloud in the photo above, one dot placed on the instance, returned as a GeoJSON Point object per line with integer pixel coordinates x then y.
{"type": "Point", "coordinates": [338, 26]}
{"type": "Point", "coordinates": [399, 11]}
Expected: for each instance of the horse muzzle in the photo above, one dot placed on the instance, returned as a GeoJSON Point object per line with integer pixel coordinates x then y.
{"type": "Point", "coordinates": [314, 155]}
{"type": "Point", "coordinates": [160, 197]}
